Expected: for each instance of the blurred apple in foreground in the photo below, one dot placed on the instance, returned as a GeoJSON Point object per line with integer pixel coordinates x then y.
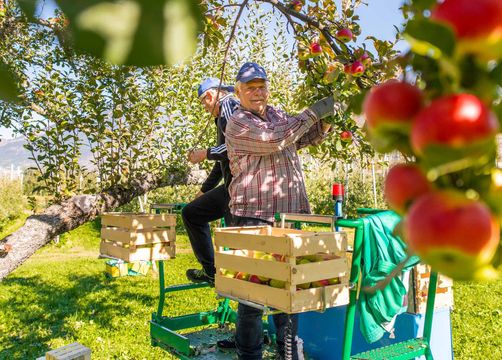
{"type": "Point", "coordinates": [454, 123]}
{"type": "Point", "coordinates": [456, 236]}
{"type": "Point", "coordinates": [403, 184]}
{"type": "Point", "coordinates": [390, 109]}
{"type": "Point", "coordinates": [476, 24]}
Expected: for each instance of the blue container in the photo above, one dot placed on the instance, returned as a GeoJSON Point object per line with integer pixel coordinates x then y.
{"type": "Point", "coordinates": [322, 333]}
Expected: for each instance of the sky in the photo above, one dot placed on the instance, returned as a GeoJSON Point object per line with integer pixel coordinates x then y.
{"type": "Point", "coordinates": [377, 19]}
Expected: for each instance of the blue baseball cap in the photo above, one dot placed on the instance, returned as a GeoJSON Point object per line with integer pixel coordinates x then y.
{"type": "Point", "coordinates": [251, 71]}
{"type": "Point", "coordinates": [212, 83]}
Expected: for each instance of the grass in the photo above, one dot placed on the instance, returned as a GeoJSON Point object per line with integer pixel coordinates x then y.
{"type": "Point", "coordinates": [60, 295]}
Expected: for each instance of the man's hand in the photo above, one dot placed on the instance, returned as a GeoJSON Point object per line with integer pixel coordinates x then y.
{"type": "Point", "coordinates": [199, 194]}
{"type": "Point", "coordinates": [197, 155]}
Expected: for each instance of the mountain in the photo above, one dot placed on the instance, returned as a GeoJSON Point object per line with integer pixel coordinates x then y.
{"type": "Point", "coordinates": [13, 153]}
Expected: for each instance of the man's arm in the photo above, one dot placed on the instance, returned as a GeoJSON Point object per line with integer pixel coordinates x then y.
{"type": "Point", "coordinates": [217, 152]}
{"type": "Point", "coordinates": [213, 179]}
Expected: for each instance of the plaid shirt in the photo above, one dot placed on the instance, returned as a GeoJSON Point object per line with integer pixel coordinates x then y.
{"type": "Point", "coordinates": [266, 169]}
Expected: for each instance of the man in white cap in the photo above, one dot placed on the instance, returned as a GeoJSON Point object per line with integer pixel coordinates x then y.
{"type": "Point", "coordinates": [212, 200]}
{"type": "Point", "coordinates": [262, 144]}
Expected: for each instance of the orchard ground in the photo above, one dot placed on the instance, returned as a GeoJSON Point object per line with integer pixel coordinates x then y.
{"type": "Point", "coordinates": [60, 295]}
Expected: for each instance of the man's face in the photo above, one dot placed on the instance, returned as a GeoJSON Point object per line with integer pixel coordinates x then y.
{"type": "Point", "coordinates": [254, 95]}
{"type": "Point", "coordinates": [209, 102]}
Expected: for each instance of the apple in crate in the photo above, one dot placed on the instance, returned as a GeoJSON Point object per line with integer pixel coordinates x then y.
{"type": "Point", "coordinates": [320, 283]}
{"type": "Point", "coordinates": [268, 257]}
{"type": "Point", "coordinates": [302, 260]}
{"type": "Point", "coordinates": [303, 286]}
{"type": "Point", "coordinates": [255, 279]}
{"type": "Point", "coordinates": [228, 273]}
{"type": "Point", "coordinates": [334, 281]}
{"type": "Point", "coordinates": [279, 257]}
{"type": "Point", "coordinates": [242, 276]}
{"type": "Point", "coordinates": [277, 283]}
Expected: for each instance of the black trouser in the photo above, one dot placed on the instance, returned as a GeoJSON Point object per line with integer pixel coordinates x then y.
{"type": "Point", "coordinates": [196, 215]}
{"type": "Point", "coordinates": [249, 329]}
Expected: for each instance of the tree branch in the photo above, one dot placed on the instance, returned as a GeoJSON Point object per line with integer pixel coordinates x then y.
{"type": "Point", "coordinates": [57, 219]}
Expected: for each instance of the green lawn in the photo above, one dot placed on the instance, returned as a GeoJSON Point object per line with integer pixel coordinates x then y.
{"type": "Point", "coordinates": [61, 295]}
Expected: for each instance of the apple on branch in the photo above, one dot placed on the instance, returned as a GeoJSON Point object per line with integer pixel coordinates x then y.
{"type": "Point", "coordinates": [296, 5]}
{"type": "Point", "coordinates": [315, 48]}
{"type": "Point", "coordinates": [346, 136]}
{"type": "Point", "coordinates": [344, 35]}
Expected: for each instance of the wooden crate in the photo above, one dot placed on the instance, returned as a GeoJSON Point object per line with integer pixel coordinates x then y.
{"type": "Point", "coordinates": [244, 243]}
{"type": "Point", "coordinates": [138, 236]}
{"type": "Point", "coordinates": [419, 286]}
{"type": "Point", "coordinates": [74, 351]}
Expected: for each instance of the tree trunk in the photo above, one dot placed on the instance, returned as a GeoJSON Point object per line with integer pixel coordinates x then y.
{"type": "Point", "coordinates": [57, 219]}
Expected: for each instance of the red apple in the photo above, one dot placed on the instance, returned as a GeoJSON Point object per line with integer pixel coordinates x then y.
{"type": "Point", "coordinates": [403, 184]}
{"type": "Point", "coordinates": [453, 121]}
{"type": "Point", "coordinates": [477, 25]}
{"type": "Point", "coordinates": [455, 235]}
{"type": "Point", "coordinates": [346, 136]}
{"type": "Point", "coordinates": [315, 48]}
{"type": "Point", "coordinates": [357, 69]}
{"type": "Point", "coordinates": [390, 108]}
{"type": "Point", "coordinates": [320, 283]}
{"type": "Point", "coordinates": [279, 257]}
{"type": "Point", "coordinates": [344, 35]}
{"type": "Point", "coordinates": [346, 69]}
{"type": "Point", "coordinates": [296, 5]}
{"type": "Point", "coordinates": [255, 279]}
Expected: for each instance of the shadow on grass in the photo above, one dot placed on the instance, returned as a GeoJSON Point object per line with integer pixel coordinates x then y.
{"type": "Point", "coordinates": [41, 310]}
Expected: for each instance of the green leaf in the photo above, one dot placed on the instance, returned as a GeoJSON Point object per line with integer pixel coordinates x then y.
{"type": "Point", "coordinates": [8, 84]}
{"type": "Point", "coordinates": [430, 38]}
{"type": "Point", "coordinates": [356, 102]}
{"type": "Point", "coordinates": [421, 5]}
{"type": "Point", "coordinates": [28, 7]}
{"type": "Point", "coordinates": [141, 32]}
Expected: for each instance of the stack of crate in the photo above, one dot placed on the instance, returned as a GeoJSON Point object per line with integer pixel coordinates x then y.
{"type": "Point", "coordinates": [289, 270]}
{"type": "Point", "coordinates": [138, 236]}
{"type": "Point", "coordinates": [419, 287]}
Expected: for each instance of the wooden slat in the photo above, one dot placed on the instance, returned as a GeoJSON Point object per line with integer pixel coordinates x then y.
{"type": "Point", "coordinates": [141, 237]}
{"type": "Point", "coordinates": [313, 299]}
{"type": "Point", "coordinates": [261, 294]}
{"type": "Point", "coordinates": [138, 220]}
{"type": "Point", "coordinates": [160, 251]}
{"type": "Point", "coordinates": [331, 242]}
{"type": "Point", "coordinates": [268, 244]}
{"type": "Point", "coordinates": [243, 229]}
{"type": "Point", "coordinates": [266, 268]}
{"type": "Point", "coordinates": [320, 270]}
{"type": "Point", "coordinates": [322, 219]}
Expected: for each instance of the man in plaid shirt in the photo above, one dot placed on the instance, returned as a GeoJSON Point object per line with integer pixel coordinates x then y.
{"type": "Point", "coordinates": [262, 144]}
